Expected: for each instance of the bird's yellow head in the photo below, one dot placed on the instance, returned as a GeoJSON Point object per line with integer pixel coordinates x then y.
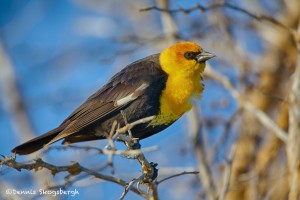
{"type": "Point", "coordinates": [184, 58]}
{"type": "Point", "coordinates": [183, 62]}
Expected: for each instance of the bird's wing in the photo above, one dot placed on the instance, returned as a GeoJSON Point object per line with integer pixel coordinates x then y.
{"type": "Point", "coordinates": [126, 86]}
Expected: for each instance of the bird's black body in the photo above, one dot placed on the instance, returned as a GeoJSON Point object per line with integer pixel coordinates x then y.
{"type": "Point", "coordinates": [94, 118]}
{"type": "Point", "coordinates": [160, 85]}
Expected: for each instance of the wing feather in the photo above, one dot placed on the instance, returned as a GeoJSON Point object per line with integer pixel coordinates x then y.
{"type": "Point", "coordinates": [130, 81]}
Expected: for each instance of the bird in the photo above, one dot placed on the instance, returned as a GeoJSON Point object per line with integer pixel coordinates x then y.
{"type": "Point", "coordinates": [160, 85]}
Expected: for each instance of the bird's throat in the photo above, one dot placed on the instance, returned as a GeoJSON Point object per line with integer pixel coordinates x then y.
{"type": "Point", "coordinates": [175, 98]}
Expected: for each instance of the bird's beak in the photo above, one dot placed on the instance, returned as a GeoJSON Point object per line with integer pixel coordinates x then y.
{"type": "Point", "coordinates": [204, 56]}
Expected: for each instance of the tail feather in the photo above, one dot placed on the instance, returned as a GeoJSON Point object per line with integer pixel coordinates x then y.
{"type": "Point", "coordinates": [81, 138]}
{"type": "Point", "coordinates": [36, 143]}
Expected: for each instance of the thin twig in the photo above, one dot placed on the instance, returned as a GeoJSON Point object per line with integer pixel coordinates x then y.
{"type": "Point", "coordinates": [225, 135]}
{"type": "Point", "coordinates": [176, 175]}
{"type": "Point", "coordinates": [104, 151]}
{"type": "Point", "coordinates": [14, 106]}
{"type": "Point", "coordinates": [131, 184]}
{"type": "Point", "coordinates": [227, 173]}
{"type": "Point", "coordinates": [169, 25]}
{"type": "Point", "coordinates": [70, 146]}
{"type": "Point", "coordinates": [126, 123]}
{"type": "Point", "coordinates": [204, 175]}
{"type": "Point", "coordinates": [131, 125]}
{"type": "Point", "coordinates": [111, 144]}
{"type": "Point", "coordinates": [226, 4]}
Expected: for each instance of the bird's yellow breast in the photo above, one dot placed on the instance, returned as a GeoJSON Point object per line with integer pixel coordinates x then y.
{"type": "Point", "coordinates": [175, 98]}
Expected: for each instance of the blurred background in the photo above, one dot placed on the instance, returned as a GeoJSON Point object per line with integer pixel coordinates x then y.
{"type": "Point", "coordinates": [54, 54]}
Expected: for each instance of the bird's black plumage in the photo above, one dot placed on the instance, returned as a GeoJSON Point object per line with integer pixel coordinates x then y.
{"type": "Point", "coordinates": [160, 85]}
{"type": "Point", "coordinates": [94, 118]}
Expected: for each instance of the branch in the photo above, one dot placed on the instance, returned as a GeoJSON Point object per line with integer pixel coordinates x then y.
{"type": "Point", "coordinates": [204, 171]}
{"type": "Point", "coordinates": [227, 173]}
{"type": "Point", "coordinates": [131, 184]}
{"type": "Point", "coordinates": [176, 175]}
{"type": "Point", "coordinates": [13, 102]}
{"type": "Point", "coordinates": [11, 98]}
{"type": "Point", "coordinates": [293, 147]}
{"type": "Point", "coordinates": [73, 170]}
{"type": "Point", "coordinates": [103, 151]}
{"type": "Point", "coordinates": [225, 135]}
{"type": "Point", "coordinates": [149, 171]}
{"type": "Point", "coordinates": [131, 125]}
{"type": "Point", "coordinates": [169, 25]}
{"type": "Point", "coordinates": [225, 4]}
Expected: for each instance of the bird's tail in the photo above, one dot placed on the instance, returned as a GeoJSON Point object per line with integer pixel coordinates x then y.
{"type": "Point", "coordinates": [36, 143]}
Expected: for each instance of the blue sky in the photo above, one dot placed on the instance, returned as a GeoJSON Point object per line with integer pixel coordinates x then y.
{"type": "Point", "coordinates": [62, 52]}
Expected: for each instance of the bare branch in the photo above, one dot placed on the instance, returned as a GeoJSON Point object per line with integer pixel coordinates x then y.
{"type": "Point", "coordinates": [227, 173]}
{"type": "Point", "coordinates": [76, 168]}
{"type": "Point", "coordinates": [293, 147]}
{"type": "Point", "coordinates": [148, 169]}
{"type": "Point", "coordinates": [130, 185]}
{"type": "Point", "coordinates": [103, 151]}
{"type": "Point", "coordinates": [226, 132]}
{"type": "Point", "coordinates": [73, 169]}
{"type": "Point", "coordinates": [176, 175]}
{"type": "Point", "coordinates": [226, 4]}
{"type": "Point", "coordinates": [131, 125]}
{"type": "Point", "coordinates": [168, 23]}
{"type": "Point", "coordinates": [204, 172]}
{"type": "Point", "coordinates": [12, 99]}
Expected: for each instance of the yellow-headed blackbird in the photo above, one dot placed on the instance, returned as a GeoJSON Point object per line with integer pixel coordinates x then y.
{"type": "Point", "coordinates": [159, 85]}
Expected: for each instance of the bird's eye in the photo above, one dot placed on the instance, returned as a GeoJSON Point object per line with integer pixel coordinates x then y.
{"type": "Point", "coordinates": [189, 55]}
